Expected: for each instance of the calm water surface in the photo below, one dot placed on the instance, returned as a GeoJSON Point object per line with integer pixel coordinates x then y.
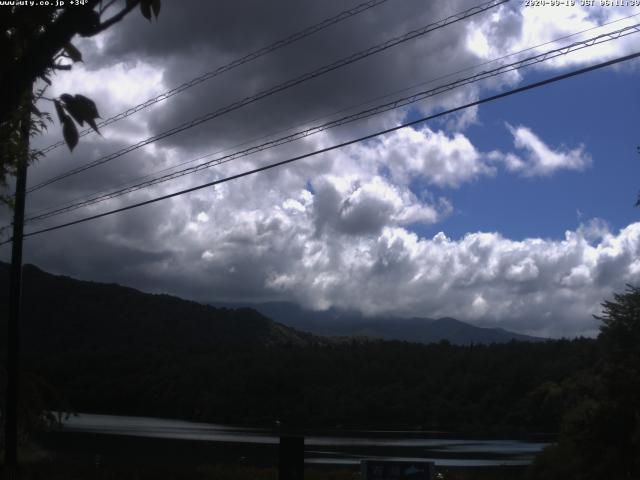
{"type": "Point", "coordinates": [345, 448]}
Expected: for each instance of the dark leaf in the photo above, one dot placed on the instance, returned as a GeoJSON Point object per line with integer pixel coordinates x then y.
{"type": "Point", "coordinates": [46, 79]}
{"type": "Point", "coordinates": [89, 110]}
{"type": "Point", "coordinates": [88, 106]}
{"type": "Point", "coordinates": [70, 133]}
{"type": "Point", "coordinates": [73, 52]}
{"type": "Point", "coordinates": [60, 111]}
{"type": "Point", "coordinates": [92, 122]}
{"type": "Point", "coordinates": [71, 106]}
{"type": "Point", "coordinates": [145, 8]}
{"type": "Point", "coordinates": [155, 6]}
{"type": "Point", "coordinates": [90, 23]}
{"type": "Point", "coordinates": [82, 109]}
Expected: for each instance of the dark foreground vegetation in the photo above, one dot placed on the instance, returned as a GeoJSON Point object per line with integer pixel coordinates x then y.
{"type": "Point", "coordinates": [600, 428]}
{"type": "Point", "coordinates": [507, 388]}
{"type": "Point", "coordinates": [108, 349]}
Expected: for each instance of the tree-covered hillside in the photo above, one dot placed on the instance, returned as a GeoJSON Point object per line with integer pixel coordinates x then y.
{"type": "Point", "coordinates": [65, 314]}
{"type": "Point", "coordinates": [111, 349]}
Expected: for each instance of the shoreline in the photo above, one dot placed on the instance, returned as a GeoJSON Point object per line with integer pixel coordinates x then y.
{"type": "Point", "coordinates": [76, 455]}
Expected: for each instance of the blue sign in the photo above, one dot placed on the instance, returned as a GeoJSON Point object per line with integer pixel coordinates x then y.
{"type": "Point", "coordinates": [392, 470]}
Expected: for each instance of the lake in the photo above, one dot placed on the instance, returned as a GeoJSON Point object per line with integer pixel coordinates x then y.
{"type": "Point", "coordinates": [339, 447]}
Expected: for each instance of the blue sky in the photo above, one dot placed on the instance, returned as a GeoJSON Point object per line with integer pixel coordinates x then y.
{"type": "Point", "coordinates": [597, 110]}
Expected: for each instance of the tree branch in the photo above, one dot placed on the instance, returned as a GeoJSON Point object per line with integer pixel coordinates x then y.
{"type": "Point", "coordinates": [103, 8]}
{"type": "Point", "coordinates": [118, 16]}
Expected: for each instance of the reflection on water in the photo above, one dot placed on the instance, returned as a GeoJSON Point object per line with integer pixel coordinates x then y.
{"type": "Point", "coordinates": [347, 449]}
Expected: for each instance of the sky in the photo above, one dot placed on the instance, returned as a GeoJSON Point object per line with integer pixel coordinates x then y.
{"type": "Point", "coordinates": [517, 213]}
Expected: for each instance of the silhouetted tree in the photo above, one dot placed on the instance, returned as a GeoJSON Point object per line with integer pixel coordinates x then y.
{"type": "Point", "coordinates": [35, 42]}
{"type": "Point", "coordinates": [600, 435]}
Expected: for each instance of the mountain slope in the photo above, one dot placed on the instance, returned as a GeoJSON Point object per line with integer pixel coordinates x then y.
{"type": "Point", "coordinates": [66, 314]}
{"type": "Point", "coordinates": [63, 313]}
{"type": "Point", "coordinates": [109, 349]}
{"type": "Point", "coordinates": [334, 322]}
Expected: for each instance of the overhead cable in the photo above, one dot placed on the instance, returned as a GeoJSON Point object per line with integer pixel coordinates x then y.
{"type": "Point", "coordinates": [492, 98]}
{"type": "Point", "coordinates": [344, 15]}
{"type": "Point", "coordinates": [533, 60]}
{"type": "Point", "coordinates": [136, 180]}
{"type": "Point", "coordinates": [277, 88]}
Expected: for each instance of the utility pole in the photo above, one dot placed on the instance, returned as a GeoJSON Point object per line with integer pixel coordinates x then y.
{"type": "Point", "coordinates": [15, 288]}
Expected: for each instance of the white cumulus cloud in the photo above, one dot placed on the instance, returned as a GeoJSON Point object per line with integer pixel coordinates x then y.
{"type": "Point", "coordinates": [540, 159]}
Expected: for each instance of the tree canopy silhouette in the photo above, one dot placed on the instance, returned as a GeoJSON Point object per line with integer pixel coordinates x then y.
{"type": "Point", "coordinates": [35, 43]}
{"type": "Point", "coordinates": [600, 432]}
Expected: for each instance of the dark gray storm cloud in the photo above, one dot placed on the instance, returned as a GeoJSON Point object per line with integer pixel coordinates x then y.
{"type": "Point", "coordinates": [332, 230]}
{"type": "Point", "coordinates": [198, 36]}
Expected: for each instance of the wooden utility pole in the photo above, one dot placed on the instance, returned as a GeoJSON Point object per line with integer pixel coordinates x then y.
{"type": "Point", "coordinates": [15, 290]}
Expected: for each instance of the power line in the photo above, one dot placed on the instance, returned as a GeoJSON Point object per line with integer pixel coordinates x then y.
{"type": "Point", "coordinates": [88, 198]}
{"type": "Point", "coordinates": [278, 88]}
{"type": "Point", "coordinates": [344, 15]}
{"type": "Point", "coordinates": [343, 144]}
{"type": "Point", "coordinates": [533, 60]}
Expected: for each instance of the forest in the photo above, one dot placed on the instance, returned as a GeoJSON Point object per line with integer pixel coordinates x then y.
{"type": "Point", "coordinates": [100, 348]}
{"type": "Point", "coordinates": [110, 349]}
{"type": "Point", "coordinates": [499, 388]}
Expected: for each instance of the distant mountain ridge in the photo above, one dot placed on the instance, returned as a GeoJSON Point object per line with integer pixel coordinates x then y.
{"type": "Point", "coordinates": [105, 348]}
{"type": "Point", "coordinates": [62, 313]}
{"type": "Point", "coordinates": [334, 322]}
{"type": "Point", "coordinates": [65, 313]}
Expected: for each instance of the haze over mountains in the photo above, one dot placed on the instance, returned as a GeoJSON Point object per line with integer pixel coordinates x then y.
{"type": "Point", "coordinates": [100, 314]}
{"type": "Point", "coordinates": [334, 322]}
